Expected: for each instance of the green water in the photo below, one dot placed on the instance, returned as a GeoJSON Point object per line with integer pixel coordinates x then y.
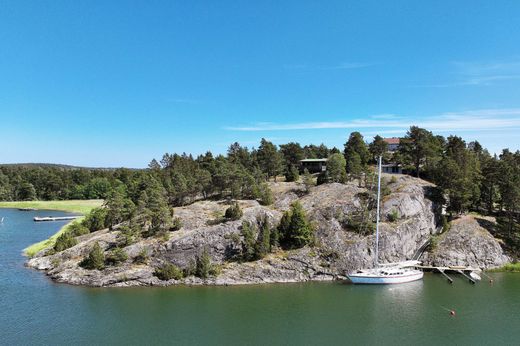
{"type": "Point", "coordinates": [35, 310]}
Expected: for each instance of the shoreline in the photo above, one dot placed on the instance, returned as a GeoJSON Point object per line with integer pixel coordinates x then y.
{"type": "Point", "coordinates": [82, 207]}
{"type": "Point", "coordinates": [71, 206]}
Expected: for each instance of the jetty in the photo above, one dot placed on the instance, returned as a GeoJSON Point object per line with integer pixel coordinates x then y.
{"type": "Point", "coordinates": [54, 218]}
{"type": "Point", "coordinates": [470, 273]}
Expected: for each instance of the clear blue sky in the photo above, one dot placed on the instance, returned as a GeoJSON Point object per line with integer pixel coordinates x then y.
{"type": "Point", "coordinates": [117, 83]}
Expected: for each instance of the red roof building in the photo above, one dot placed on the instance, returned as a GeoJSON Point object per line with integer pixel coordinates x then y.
{"type": "Point", "coordinates": [393, 143]}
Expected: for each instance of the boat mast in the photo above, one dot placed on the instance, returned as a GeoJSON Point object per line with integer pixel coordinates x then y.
{"type": "Point", "coordinates": [376, 260]}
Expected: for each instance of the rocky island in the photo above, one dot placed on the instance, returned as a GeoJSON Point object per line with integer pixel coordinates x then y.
{"type": "Point", "coordinates": [410, 219]}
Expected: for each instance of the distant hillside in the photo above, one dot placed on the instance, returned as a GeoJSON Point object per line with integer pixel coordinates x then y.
{"type": "Point", "coordinates": [55, 165]}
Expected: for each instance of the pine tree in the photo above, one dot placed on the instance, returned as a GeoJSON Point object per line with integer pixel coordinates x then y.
{"type": "Point", "coordinates": [233, 212]}
{"type": "Point", "coordinates": [263, 242]}
{"type": "Point", "coordinates": [203, 265]}
{"type": "Point", "coordinates": [356, 145]}
{"type": "Point", "coordinates": [95, 259]}
{"type": "Point", "coordinates": [377, 148]}
{"type": "Point", "coordinates": [294, 228]}
{"type": "Point", "coordinates": [119, 208]}
{"type": "Point", "coordinates": [292, 153]}
{"type": "Point", "coordinates": [248, 243]}
{"type": "Point", "coordinates": [269, 159]}
{"type": "Point", "coordinates": [419, 147]}
{"type": "Point", "coordinates": [353, 165]}
{"type": "Point", "coordinates": [336, 166]}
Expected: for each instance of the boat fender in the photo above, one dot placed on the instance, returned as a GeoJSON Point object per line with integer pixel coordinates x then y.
{"type": "Point", "coordinates": [452, 312]}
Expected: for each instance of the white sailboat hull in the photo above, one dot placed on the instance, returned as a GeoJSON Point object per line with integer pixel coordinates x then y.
{"type": "Point", "coordinates": [375, 279]}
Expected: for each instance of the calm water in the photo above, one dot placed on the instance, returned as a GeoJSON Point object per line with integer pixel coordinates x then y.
{"type": "Point", "coordinates": [34, 310]}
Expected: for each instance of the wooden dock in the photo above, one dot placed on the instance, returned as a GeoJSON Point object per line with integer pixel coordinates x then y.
{"type": "Point", "coordinates": [53, 218]}
{"type": "Point", "coordinates": [467, 272]}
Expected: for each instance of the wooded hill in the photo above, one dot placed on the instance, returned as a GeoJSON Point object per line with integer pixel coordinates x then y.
{"type": "Point", "coordinates": [468, 176]}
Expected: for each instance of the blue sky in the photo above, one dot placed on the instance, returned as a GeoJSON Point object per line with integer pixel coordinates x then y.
{"type": "Point", "coordinates": [108, 83]}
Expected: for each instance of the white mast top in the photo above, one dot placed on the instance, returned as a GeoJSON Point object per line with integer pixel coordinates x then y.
{"type": "Point", "coordinates": [376, 260]}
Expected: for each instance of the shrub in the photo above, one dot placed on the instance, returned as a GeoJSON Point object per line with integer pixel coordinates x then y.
{"type": "Point", "coordinates": [308, 181]}
{"type": "Point", "coordinates": [142, 257]}
{"type": "Point", "coordinates": [360, 224]}
{"type": "Point", "coordinates": [445, 224]}
{"type": "Point", "coordinates": [393, 180]}
{"type": "Point", "coordinates": [190, 269]}
{"type": "Point", "coordinates": [168, 271]}
{"type": "Point", "coordinates": [116, 256]}
{"type": "Point", "coordinates": [274, 238]}
{"type": "Point", "coordinates": [385, 190]}
{"type": "Point", "coordinates": [203, 265]}
{"type": "Point", "coordinates": [266, 195]}
{"type": "Point", "coordinates": [128, 235]}
{"type": "Point", "coordinates": [291, 173]}
{"type": "Point", "coordinates": [77, 229]}
{"type": "Point", "coordinates": [96, 219]}
{"type": "Point", "coordinates": [176, 224]}
{"type": "Point", "coordinates": [509, 267]}
{"type": "Point", "coordinates": [434, 242]}
{"type": "Point", "coordinates": [233, 212]}
{"type": "Point", "coordinates": [393, 216]}
{"type": "Point", "coordinates": [215, 270]}
{"type": "Point", "coordinates": [95, 259]}
{"type": "Point", "coordinates": [323, 178]}
{"type": "Point", "coordinates": [65, 240]}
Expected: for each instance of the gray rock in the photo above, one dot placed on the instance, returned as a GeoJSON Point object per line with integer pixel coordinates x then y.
{"type": "Point", "coordinates": [468, 243]}
{"type": "Point", "coordinates": [338, 249]}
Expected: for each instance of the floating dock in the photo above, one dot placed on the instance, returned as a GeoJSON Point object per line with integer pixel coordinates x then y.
{"type": "Point", "coordinates": [26, 209]}
{"type": "Point", "coordinates": [52, 218]}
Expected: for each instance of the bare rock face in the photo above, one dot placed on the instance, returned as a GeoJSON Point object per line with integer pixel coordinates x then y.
{"type": "Point", "coordinates": [339, 247]}
{"type": "Point", "coordinates": [469, 243]}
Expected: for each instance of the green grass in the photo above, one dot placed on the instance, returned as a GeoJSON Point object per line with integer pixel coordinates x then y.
{"type": "Point", "coordinates": [47, 243]}
{"type": "Point", "coordinates": [73, 206]}
{"type": "Point", "coordinates": [510, 267]}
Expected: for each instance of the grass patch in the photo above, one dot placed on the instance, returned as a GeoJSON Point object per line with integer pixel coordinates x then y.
{"type": "Point", "coordinates": [47, 243]}
{"type": "Point", "coordinates": [510, 267]}
{"type": "Point", "coordinates": [72, 206]}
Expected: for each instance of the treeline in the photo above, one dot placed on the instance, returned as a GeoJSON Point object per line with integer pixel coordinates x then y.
{"type": "Point", "coordinates": [239, 174]}
{"type": "Point", "coordinates": [468, 176]}
{"type": "Point", "coordinates": [24, 183]}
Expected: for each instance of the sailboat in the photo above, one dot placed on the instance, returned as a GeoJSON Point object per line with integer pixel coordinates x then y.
{"type": "Point", "coordinates": [388, 273]}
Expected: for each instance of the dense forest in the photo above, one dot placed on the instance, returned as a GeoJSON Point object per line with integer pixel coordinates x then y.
{"type": "Point", "coordinates": [468, 176]}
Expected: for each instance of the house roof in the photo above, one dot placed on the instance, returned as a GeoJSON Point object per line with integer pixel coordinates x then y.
{"type": "Point", "coordinates": [393, 140]}
{"type": "Point", "coordinates": [314, 160]}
